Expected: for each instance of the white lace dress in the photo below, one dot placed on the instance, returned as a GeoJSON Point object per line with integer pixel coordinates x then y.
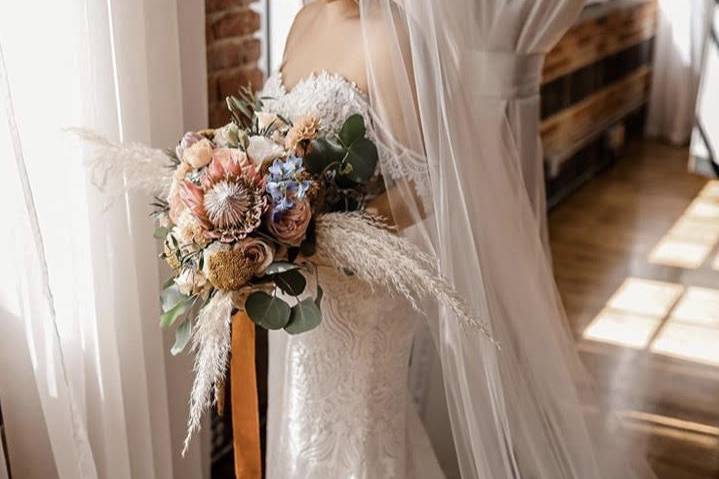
{"type": "Point", "coordinates": [339, 405]}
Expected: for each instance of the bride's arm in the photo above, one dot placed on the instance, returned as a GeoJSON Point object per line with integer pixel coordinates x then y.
{"type": "Point", "coordinates": [399, 203]}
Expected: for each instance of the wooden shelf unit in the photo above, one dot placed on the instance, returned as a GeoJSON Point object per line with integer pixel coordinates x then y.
{"type": "Point", "coordinates": [596, 81]}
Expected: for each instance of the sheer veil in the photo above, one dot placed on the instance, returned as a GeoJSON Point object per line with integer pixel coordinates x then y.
{"type": "Point", "coordinates": [449, 151]}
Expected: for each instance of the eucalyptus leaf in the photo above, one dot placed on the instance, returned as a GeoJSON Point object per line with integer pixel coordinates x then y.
{"type": "Point", "coordinates": [323, 153]}
{"type": "Point", "coordinates": [363, 156]}
{"type": "Point", "coordinates": [352, 130]}
{"type": "Point", "coordinates": [291, 282]}
{"type": "Point", "coordinates": [267, 311]}
{"type": "Point", "coordinates": [169, 317]}
{"type": "Point", "coordinates": [161, 232]}
{"type": "Point", "coordinates": [281, 267]}
{"type": "Point", "coordinates": [304, 317]}
{"type": "Point", "coordinates": [182, 337]}
{"type": "Point", "coordinates": [171, 297]}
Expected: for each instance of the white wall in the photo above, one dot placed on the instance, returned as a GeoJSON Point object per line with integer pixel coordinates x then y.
{"type": "Point", "coordinates": [280, 16]}
{"type": "Point", "coordinates": [29, 448]}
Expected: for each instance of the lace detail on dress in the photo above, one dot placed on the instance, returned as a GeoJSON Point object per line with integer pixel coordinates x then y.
{"type": "Point", "coordinates": [347, 402]}
{"type": "Point", "coordinates": [341, 407]}
{"type": "Point", "coordinates": [333, 98]}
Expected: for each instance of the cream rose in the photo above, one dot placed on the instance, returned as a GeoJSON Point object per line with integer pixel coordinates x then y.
{"type": "Point", "coordinates": [228, 135]}
{"type": "Point", "coordinates": [190, 280]}
{"type": "Point", "coordinates": [189, 139]}
{"type": "Point", "coordinates": [199, 154]}
{"type": "Point", "coordinates": [189, 231]}
{"type": "Point", "coordinates": [261, 149]}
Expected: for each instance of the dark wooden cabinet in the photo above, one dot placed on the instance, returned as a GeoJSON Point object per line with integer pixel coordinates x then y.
{"type": "Point", "coordinates": [595, 90]}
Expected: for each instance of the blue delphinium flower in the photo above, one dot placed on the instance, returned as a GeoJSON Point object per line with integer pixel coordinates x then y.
{"type": "Point", "coordinates": [285, 185]}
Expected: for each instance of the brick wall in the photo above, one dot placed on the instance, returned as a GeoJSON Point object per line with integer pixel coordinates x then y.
{"type": "Point", "coordinates": [232, 53]}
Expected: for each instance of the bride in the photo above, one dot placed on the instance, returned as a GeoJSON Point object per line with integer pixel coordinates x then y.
{"type": "Point", "coordinates": [339, 402]}
{"type": "Point", "coordinates": [339, 406]}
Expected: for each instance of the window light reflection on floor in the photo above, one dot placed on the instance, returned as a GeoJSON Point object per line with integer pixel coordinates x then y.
{"type": "Point", "coordinates": [634, 313]}
{"type": "Point", "coordinates": [690, 241]}
{"type": "Point", "coordinates": [663, 318]}
{"type": "Point", "coordinates": [692, 330]}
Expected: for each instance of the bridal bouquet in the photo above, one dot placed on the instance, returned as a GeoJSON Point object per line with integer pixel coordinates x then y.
{"type": "Point", "coordinates": [246, 214]}
{"type": "Point", "coordinates": [240, 219]}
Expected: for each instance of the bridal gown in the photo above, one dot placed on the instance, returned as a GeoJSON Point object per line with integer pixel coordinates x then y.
{"type": "Point", "coordinates": [339, 403]}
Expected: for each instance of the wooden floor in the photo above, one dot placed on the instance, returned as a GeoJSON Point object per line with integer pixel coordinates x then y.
{"type": "Point", "coordinates": [636, 259]}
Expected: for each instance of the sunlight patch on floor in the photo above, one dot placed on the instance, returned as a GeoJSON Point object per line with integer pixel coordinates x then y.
{"type": "Point", "coordinates": [693, 237]}
{"type": "Point", "coordinates": [692, 330]}
{"type": "Point", "coordinates": [634, 313]}
{"type": "Point", "coordinates": [663, 318]}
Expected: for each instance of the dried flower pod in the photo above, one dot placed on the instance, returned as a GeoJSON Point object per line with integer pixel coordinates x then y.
{"type": "Point", "coordinates": [229, 270]}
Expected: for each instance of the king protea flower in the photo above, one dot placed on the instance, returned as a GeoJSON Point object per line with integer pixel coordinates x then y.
{"type": "Point", "coordinates": [230, 200]}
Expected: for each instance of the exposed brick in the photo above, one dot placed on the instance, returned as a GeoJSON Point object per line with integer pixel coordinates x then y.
{"type": "Point", "coordinates": [219, 115]}
{"type": "Point", "coordinates": [209, 33]}
{"type": "Point", "coordinates": [235, 24]}
{"type": "Point", "coordinates": [233, 53]}
{"type": "Point", "coordinates": [212, 6]}
{"type": "Point", "coordinates": [213, 90]}
{"type": "Point", "coordinates": [230, 81]}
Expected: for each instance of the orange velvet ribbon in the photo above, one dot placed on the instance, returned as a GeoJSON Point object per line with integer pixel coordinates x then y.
{"type": "Point", "coordinates": [245, 407]}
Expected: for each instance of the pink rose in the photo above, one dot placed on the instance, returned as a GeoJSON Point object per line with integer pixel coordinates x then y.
{"type": "Point", "coordinates": [173, 198]}
{"type": "Point", "coordinates": [291, 226]}
{"type": "Point", "coordinates": [177, 206]}
{"type": "Point", "coordinates": [257, 253]}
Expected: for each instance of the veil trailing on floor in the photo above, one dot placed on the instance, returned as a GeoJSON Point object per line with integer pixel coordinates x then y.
{"type": "Point", "coordinates": [454, 92]}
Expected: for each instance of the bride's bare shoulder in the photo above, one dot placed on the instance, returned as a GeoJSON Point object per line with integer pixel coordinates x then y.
{"type": "Point", "coordinates": [302, 23]}
{"type": "Point", "coordinates": [307, 14]}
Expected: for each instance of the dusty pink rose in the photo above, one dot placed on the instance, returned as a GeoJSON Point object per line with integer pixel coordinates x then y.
{"type": "Point", "coordinates": [177, 206]}
{"type": "Point", "coordinates": [291, 226]}
{"type": "Point", "coordinates": [256, 252]}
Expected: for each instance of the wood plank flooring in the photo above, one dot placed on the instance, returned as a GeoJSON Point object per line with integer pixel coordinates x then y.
{"type": "Point", "coordinates": [635, 257]}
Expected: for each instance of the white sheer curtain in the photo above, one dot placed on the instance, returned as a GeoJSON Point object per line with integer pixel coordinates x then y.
{"type": "Point", "coordinates": [80, 276]}
{"type": "Point", "coordinates": [473, 67]}
{"type": "Point", "coordinates": [705, 137]}
{"type": "Point", "coordinates": [503, 70]}
{"type": "Point", "coordinates": [682, 33]}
